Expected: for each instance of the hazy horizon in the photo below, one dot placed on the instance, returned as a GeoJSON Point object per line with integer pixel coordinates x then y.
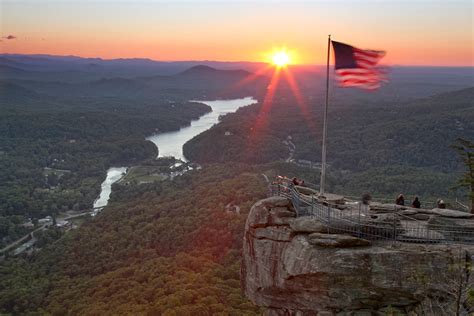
{"type": "Point", "coordinates": [421, 33]}
{"type": "Point", "coordinates": [46, 55]}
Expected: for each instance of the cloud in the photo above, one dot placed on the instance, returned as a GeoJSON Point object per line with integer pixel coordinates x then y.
{"type": "Point", "coordinates": [10, 37]}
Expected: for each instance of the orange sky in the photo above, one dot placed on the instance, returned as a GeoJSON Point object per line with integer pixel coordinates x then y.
{"type": "Point", "coordinates": [412, 33]}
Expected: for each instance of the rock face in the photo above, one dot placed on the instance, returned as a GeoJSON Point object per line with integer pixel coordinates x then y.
{"type": "Point", "coordinates": [294, 266]}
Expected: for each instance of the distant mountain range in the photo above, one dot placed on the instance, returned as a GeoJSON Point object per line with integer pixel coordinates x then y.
{"type": "Point", "coordinates": [194, 82]}
{"type": "Point", "coordinates": [72, 76]}
{"type": "Point", "coordinates": [123, 67]}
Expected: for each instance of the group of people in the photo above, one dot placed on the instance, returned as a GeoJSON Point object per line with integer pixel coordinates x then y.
{"type": "Point", "coordinates": [416, 202]}
{"type": "Point", "coordinates": [401, 201]}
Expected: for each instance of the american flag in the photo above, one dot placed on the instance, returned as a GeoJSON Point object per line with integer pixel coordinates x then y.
{"type": "Point", "coordinates": [357, 67]}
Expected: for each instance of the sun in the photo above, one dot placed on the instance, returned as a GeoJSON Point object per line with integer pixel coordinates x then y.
{"type": "Point", "coordinates": [281, 59]}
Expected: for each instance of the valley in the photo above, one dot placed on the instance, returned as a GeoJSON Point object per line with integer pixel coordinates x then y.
{"type": "Point", "coordinates": [170, 236]}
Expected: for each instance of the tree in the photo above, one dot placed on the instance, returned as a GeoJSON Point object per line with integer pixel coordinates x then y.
{"type": "Point", "coordinates": [454, 293]}
{"type": "Point", "coordinates": [465, 148]}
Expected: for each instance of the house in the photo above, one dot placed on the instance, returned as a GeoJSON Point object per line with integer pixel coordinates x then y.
{"type": "Point", "coordinates": [47, 219]}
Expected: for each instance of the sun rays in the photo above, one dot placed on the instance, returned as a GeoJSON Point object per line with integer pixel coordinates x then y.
{"type": "Point", "coordinates": [279, 79]}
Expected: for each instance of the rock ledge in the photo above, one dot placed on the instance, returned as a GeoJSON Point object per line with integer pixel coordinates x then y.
{"type": "Point", "coordinates": [295, 266]}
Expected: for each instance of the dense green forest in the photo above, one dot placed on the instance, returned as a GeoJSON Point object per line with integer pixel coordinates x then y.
{"type": "Point", "coordinates": [61, 131]}
{"type": "Point", "coordinates": [168, 248]}
{"type": "Point", "coordinates": [405, 146]}
{"type": "Point", "coordinates": [361, 135]}
{"type": "Point", "coordinates": [54, 152]}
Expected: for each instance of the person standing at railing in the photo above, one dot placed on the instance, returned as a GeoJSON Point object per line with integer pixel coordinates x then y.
{"type": "Point", "coordinates": [440, 204]}
{"type": "Point", "coordinates": [400, 200]}
{"type": "Point", "coordinates": [416, 203]}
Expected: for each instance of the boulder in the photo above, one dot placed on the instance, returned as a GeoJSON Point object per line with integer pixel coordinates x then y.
{"type": "Point", "coordinates": [281, 216]}
{"type": "Point", "coordinates": [336, 240]}
{"type": "Point", "coordinates": [307, 225]}
{"type": "Point", "coordinates": [408, 212]}
{"type": "Point", "coordinates": [385, 207]}
{"type": "Point", "coordinates": [332, 198]}
{"type": "Point", "coordinates": [452, 213]}
{"type": "Point", "coordinates": [282, 212]}
{"type": "Point", "coordinates": [259, 215]}
{"type": "Point", "coordinates": [275, 201]}
{"type": "Point", "coordinates": [416, 217]}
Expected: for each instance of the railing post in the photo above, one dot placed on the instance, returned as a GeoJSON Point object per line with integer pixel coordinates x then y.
{"type": "Point", "coordinates": [358, 224]}
{"type": "Point", "coordinates": [329, 217]}
{"type": "Point", "coordinates": [312, 205]}
{"type": "Point", "coordinates": [394, 226]}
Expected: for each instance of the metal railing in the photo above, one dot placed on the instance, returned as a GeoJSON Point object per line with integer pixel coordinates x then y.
{"type": "Point", "coordinates": [357, 220]}
{"type": "Point", "coordinates": [383, 199]}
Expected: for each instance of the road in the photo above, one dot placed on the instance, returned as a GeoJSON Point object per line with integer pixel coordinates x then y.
{"type": "Point", "coordinates": [30, 235]}
{"type": "Point", "coordinates": [22, 239]}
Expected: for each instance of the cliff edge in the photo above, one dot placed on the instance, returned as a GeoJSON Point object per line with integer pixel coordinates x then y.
{"type": "Point", "coordinates": [293, 266]}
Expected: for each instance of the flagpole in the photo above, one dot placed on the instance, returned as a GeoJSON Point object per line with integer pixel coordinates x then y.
{"type": "Point", "coordinates": [325, 125]}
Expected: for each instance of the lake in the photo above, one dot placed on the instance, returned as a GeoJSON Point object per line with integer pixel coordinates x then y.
{"type": "Point", "coordinates": [171, 143]}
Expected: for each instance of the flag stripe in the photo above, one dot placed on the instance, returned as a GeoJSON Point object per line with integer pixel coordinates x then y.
{"type": "Point", "coordinates": [369, 53]}
{"type": "Point", "coordinates": [367, 62]}
{"type": "Point", "coordinates": [367, 57]}
{"type": "Point", "coordinates": [361, 84]}
{"type": "Point", "coordinates": [357, 67]}
{"type": "Point", "coordinates": [357, 71]}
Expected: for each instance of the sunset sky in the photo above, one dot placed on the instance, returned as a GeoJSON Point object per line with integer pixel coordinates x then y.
{"type": "Point", "coordinates": [412, 32]}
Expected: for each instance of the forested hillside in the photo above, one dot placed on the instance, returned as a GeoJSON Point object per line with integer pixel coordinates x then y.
{"type": "Point", "coordinates": [408, 141]}
{"type": "Point", "coordinates": [170, 248]}
{"type": "Point", "coordinates": [54, 152]}
{"type": "Point", "coordinates": [58, 136]}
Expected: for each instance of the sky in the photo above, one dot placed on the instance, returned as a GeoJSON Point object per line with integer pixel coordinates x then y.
{"type": "Point", "coordinates": [415, 32]}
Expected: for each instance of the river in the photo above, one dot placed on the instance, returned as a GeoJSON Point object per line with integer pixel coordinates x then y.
{"type": "Point", "coordinates": [171, 143]}
{"type": "Point", "coordinates": [168, 144]}
{"type": "Point", "coordinates": [113, 175]}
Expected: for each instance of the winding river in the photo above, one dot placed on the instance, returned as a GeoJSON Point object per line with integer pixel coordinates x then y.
{"type": "Point", "coordinates": [171, 143]}
{"type": "Point", "coordinates": [113, 175]}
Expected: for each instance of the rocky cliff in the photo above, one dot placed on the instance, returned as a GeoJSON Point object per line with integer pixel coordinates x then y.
{"type": "Point", "coordinates": [293, 266]}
